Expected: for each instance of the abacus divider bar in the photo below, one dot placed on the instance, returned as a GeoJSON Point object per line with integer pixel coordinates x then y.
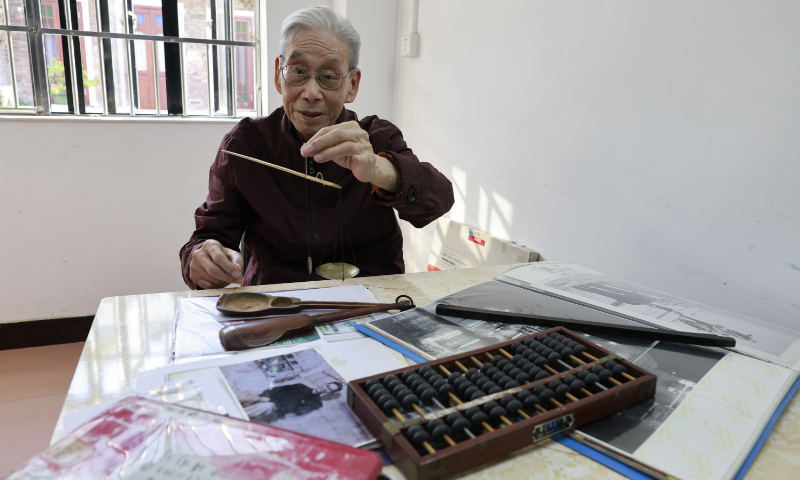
{"type": "Point", "coordinates": [591, 328]}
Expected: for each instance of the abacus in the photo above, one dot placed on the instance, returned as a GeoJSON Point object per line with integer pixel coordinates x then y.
{"type": "Point", "coordinates": [451, 415]}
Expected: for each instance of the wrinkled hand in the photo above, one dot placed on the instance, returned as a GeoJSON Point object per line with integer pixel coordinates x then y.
{"type": "Point", "coordinates": [347, 144]}
{"type": "Point", "coordinates": [214, 266]}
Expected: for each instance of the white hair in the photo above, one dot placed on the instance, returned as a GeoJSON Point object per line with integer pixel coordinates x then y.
{"type": "Point", "coordinates": [322, 18]}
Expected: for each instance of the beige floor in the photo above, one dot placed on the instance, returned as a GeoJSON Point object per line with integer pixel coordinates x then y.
{"type": "Point", "coordinates": [33, 386]}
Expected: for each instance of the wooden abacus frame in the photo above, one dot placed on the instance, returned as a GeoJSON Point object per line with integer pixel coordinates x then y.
{"type": "Point", "coordinates": [489, 446]}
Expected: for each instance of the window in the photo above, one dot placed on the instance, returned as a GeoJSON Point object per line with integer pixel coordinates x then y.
{"type": "Point", "coordinates": [130, 57]}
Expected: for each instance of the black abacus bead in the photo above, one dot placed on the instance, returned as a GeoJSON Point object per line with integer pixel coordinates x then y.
{"type": "Point", "coordinates": [485, 367]}
{"type": "Point", "coordinates": [579, 349]}
{"type": "Point", "coordinates": [453, 378]}
{"type": "Point", "coordinates": [618, 371]}
{"type": "Point", "coordinates": [431, 426]}
{"type": "Point", "coordinates": [531, 402]}
{"type": "Point", "coordinates": [409, 400]}
{"type": "Point", "coordinates": [575, 387]}
{"type": "Point", "coordinates": [488, 406]}
{"type": "Point", "coordinates": [458, 381]}
{"type": "Point", "coordinates": [513, 406]}
{"type": "Point", "coordinates": [555, 335]}
{"type": "Point", "coordinates": [604, 375]}
{"type": "Point", "coordinates": [370, 383]}
{"type": "Point", "coordinates": [610, 365]}
{"type": "Point", "coordinates": [516, 358]}
{"type": "Point", "coordinates": [507, 368]}
{"type": "Point", "coordinates": [421, 387]}
{"type": "Point", "coordinates": [514, 372]}
{"type": "Point", "coordinates": [566, 352]}
{"type": "Point", "coordinates": [450, 419]}
{"type": "Point", "coordinates": [521, 396]}
{"type": "Point", "coordinates": [402, 393]}
{"type": "Point", "coordinates": [541, 375]}
{"type": "Point", "coordinates": [439, 383]}
{"type": "Point", "coordinates": [582, 374]}
{"type": "Point", "coordinates": [488, 386]}
{"type": "Point", "coordinates": [497, 359]}
{"type": "Point", "coordinates": [471, 411]}
{"type": "Point", "coordinates": [424, 369]}
{"type": "Point", "coordinates": [497, 376]}
{"type": "Point", "coordinates": [559, 347]}
{"type": "Point", "coordinates": [547, 352]}
{"type": "Point", "coordinates": [531, 370]}
{"type": "Point", "coordinates": [428, 374]}
{"type": "Point", "coordinates": [478, 394]}
{"type": "Point", "coordinates": [572, 344]}
{"type": "Point", "coordinates": [463, 386]}
{"type": "Point", "coordinates": [562, 391]}
{"type": "Point", "coordinates": [492, 370]}
{"type": "Point", "coordinates": [397, 388]}
{"type": "Point", "coordinates": [444, 391]}
{"type": "Point", "coordinates": [470, 373]}
{"type": "Point", "coordinates": [459, 426]}
{"type": "Point", "coordinates": [512, 384]}
{"type": "Point", "coordinates": [569, 379]}
{"type": "Point", "coordinates": [383, 398]}
{"type": "Point", "coordinates": [419, 437]}
{"type": "Point", "coordinates": [389, 406]}
{"type": "Point", "coordinates": [503, 382]}
{"type": "Point", "coordinates": [590, 380]}
{"type": "Point", "coordinates": [435, 377]}
{"type": "Point", "coordinates": [528, 341]}
{"type": "Point", "coordinates": [476, 421]}
{"type": "Point", "coordinates": [522, 378]}
{"type": "Point", "coordinates": [496, 413]}
{"type": "Point", "coordinates": [427, 396]}
{"type": "Point", "coordinates": [494, 390]}
{"type": "Point", "coordinates": [414, 383]}
{"type": "Point", "coordinates": [481, 381]}
{"type": "Point", "coordinates": [468, 393]}
{"type": "Point", "coordinates": [407, 374]}
{"type": "Point", "coordinates": [553, 358]}
{"type": "Point", "coordinates": [515, 345]}
{"type": "Point", "coordinates": [554, 384]}
{"type": "Point", "coordinates": [414, 429]}
{"type": "Point", "coordinates": [374, 389]}
{"type": "Point", "coordinates": [540, 361]}
{"type": "Point", "coordinates": [439, 432]}
{"type": "Point", "coordinates": [545, 397]}
{"type": "Point", "coordinates": [528, 354]}
{"type": "Point", "coordinates": [504, 401]}
{"type": "Point", "coordinates": [540, 348]}
{"type": "Point", "coordinates": [566, 340]}
{"type": "Point", "coordinates": [389, 378]}
{"type": "Point", "coordinates": [538, 389]}
{"type": "Point", "coordinates": [502, 363]}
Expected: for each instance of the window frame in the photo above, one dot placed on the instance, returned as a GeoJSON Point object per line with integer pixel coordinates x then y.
{"type": "Point", "coordinates": [177, 104]}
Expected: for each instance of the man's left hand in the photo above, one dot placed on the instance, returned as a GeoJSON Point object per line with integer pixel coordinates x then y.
{"type": "Point", "coordinates": [348, 145]}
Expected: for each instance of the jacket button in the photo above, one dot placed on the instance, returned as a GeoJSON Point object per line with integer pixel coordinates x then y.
{"type": "Point", "coordinates": [412, 194]}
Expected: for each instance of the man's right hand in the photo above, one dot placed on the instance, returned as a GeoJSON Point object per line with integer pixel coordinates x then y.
{"type": "Point", "coordinates": [214, 266]}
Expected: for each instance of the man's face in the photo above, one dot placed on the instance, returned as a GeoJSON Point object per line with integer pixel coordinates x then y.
{"type": "Point", "coordinates": [328, 388]}
{"type": "Point", "coordinates": [309, 106]}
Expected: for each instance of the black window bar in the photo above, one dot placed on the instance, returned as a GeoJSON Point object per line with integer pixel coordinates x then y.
{"type": "Point", "coordinates": [173, 58]}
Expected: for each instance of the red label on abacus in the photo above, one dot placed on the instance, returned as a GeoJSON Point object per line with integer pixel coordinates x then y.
{"type": "Point", "coordinates": [553, 427]}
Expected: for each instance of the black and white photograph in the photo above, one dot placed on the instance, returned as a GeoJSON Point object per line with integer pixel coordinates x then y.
{"type": "Point", "coordinates": [300, 392]}
{"type": "Point", "coordinates": [678, 367]}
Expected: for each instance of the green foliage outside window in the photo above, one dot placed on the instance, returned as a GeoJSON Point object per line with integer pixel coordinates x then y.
{"type": "Point", "coordinates": [58, 84]}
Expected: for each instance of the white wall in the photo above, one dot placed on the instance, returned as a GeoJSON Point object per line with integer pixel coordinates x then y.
{"type": "Point", "coordinates": [95, 208]}
{"type": "Point", "coordinates": [658, 142]}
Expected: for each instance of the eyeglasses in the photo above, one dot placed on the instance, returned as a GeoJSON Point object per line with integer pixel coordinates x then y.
{"type": "Point", "coordinates": [327, 79]}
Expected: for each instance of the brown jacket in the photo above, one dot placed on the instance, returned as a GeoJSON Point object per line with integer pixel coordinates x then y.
{"type": "Point", "coordinates": [285, 216]}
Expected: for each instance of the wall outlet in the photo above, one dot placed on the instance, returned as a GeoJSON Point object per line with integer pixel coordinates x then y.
{"type": "Point", "coordinates": [409, 45]}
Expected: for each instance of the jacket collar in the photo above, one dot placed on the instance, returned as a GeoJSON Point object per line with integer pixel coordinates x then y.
{"type": "Point", "coordinates": [287, 128]}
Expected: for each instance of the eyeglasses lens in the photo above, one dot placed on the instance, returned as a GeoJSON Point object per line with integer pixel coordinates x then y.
{"type": "Point", "coordinates": [327, 78]}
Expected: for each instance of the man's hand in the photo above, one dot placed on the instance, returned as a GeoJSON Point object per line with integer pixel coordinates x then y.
{"type": "Point", "coordinates": [214, 266]}
{"type": "Point", "coordinates": [348, 145]}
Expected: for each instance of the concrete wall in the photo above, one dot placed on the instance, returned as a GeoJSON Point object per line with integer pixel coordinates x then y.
{"type": "Point", "coordinates": [658, 142]}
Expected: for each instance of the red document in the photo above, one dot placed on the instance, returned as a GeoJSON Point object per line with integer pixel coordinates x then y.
{"type": "Point", "coordinates": [143, 439]}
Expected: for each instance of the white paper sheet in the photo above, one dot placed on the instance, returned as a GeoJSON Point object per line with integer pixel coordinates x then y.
{"type": "Point", "coordinates": [198, 322]}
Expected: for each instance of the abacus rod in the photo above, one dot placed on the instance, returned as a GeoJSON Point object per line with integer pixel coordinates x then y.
{"type": "Point", "coordinates": [446, 371]}
{"type": "Point", "coordinates": [462, 367]}
{"type": "Point", "coordinates": [564, 364]}
{"type": "Point", "coordinates": [571, 397]}
{"type": "Point", "coordinates": [448, 440]}
{"type": "Point", "coordinates": [505, 420]}
{"type": "Point", "coordinates": [419, 410]}
{"type": "Point", "coordinates": [556, 402]}
{"type": "Point", "coordinates": [428, 447]}
{"type": "Point", "coordinates": [577, 360]}
{"type": "Point", "coordinates": [523, 414]}
{"type": "Point", "coordinates": [550, 369]}
{"type": "Point", "coordinates": [625, 374]}
{"type": "Point", "coordinates": [614, 381]}
{"type": "Point", "coordinates": [439, 404]}
{"type": "Point", "coordinates": [506, 354]}
{"type": "Point", "coordinates": [287, 170]}
{"type": "Point", "coordinates": [477, 362]}
{"type": "Point", "coordinates": [587, 392]}
{"type": "Point", "coordinates": [398, 415]}
{"type": "Point", "coordinates": [454, 398]}
{"type": "Point", "coordinates": [603, 387]}
{"type": "Point", "coordinates": [590, 357]}
{"type": "Point", "coordinates": [469, 433]}
{"type": "Point", "coordinates": [540, 408]}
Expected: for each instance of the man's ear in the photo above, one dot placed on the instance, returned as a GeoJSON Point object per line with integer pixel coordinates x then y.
{"type": "Point", "coordinates": [278, 74]}
{"type": "Point", "coordinates": [354, 80]}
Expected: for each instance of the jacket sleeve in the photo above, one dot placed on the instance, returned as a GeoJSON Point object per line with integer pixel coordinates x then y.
{"type": "Point", "coordinates": [426, 193]}
{"type": "Point", "coordinates": [225, 213]}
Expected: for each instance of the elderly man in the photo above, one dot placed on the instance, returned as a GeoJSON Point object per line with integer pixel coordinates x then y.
{"type": "Point", "coordinates": [287, 219]}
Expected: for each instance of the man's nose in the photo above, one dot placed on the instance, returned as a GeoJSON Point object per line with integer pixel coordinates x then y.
{"type": "Point", "coordinates": [311, 89]}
